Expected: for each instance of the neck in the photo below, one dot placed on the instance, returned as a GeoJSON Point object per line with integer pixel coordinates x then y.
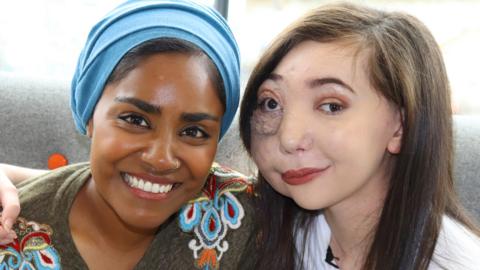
{"type": "Point", "coordinates": [352, 223]}
{"type": "Point", "coordinates": [91, 219]}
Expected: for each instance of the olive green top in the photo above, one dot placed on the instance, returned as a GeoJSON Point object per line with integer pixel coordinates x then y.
{"type": "Point", "coordinates": [191, 239]}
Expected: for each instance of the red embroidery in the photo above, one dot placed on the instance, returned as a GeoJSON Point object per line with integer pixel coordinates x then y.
{"type": "Point", "coordinates": [211, 225]}
{"type": "Point", "coordinates": [46, 258]}
{"type": "Point", "coordinates": [231, 211]}
{"type": "Point", "coordinates": [45, 237]}
{"type": "Point", "coordinates": [32, 249]}
{"type": "Point", "coordinates": [190, 212]}
{"type": "Point", "coordinates": [211, 187]}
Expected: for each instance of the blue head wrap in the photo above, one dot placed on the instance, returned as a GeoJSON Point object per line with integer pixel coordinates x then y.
{"type": "Point", "coordinates": [137, 21]}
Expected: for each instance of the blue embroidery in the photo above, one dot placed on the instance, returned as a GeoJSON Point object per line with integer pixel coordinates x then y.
{"type": "Point", "coordinates": [190, 216]}
{"type": "Point", "coordinates": [210, 216]}
{"type": "Point", "coordinates": [231, 212]}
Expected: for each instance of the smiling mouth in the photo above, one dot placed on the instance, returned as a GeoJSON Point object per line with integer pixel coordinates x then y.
{"type": "Point", "coordinates": [302, 176]}
{"type": "Point", "coordinates": [147, 186]}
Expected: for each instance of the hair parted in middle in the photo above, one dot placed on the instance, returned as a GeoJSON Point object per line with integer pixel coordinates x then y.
{"type": "Point", "coordinates": [405, 66]}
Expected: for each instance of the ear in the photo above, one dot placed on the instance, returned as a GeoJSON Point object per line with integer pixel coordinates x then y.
{"type": "Point", "coordinates": [395, 144]}
{"type": "Point", "coordinates": [90, 128]}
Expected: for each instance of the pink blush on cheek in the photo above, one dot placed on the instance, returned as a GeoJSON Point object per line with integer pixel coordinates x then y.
{"type": "Point", "coordinates": [265, 123]}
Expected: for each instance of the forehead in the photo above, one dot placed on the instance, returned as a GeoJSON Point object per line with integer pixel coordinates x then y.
{"type": "Point", "coordinates": [159, 78]}
{"type": "Point", "coordinates": [311, 59]}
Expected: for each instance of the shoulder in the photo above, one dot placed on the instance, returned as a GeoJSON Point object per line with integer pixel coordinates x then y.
{"type": "Point", "coordinates": [42, 228]}
{"type": "Point", "coordinates": [224, 179]}
{"type": "Point", "coordinates": [456, 248]}
{"type": "Point", "coordinates": [229, 188]}
{"type": "Point", "coordinates": [220, 218]}
{"type": "Point", "coordinates": [54, 177]}
{"type": "Point", "coordinates": [44, 187]}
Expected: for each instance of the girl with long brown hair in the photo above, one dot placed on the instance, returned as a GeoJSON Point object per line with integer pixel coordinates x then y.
{"type": "Point", "coordinates": [348, 117]}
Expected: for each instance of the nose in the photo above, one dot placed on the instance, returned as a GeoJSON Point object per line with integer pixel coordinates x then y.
{"type": "Point", "coordinates": [159, 155]}
{"type": "Point", "coordinates": [295, 132]}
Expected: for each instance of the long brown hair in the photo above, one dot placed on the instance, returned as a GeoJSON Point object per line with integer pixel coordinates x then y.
{"type": "Point", "coordinates": [406, 66]}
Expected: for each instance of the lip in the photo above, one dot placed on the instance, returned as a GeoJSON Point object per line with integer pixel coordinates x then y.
{"type": "Point", "coordinates": [301, 176]}
{"type": "Point", "coordinates": [150, 196]}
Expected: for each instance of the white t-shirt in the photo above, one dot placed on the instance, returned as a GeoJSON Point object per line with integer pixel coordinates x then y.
{"type": "Point", "coordinates": [456, 249]}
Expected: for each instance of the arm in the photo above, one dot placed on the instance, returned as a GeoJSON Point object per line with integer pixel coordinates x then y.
{"type": "Point", "coordinates": [9, 175]}
{"type": "Point", "coordinates": [16, 174]}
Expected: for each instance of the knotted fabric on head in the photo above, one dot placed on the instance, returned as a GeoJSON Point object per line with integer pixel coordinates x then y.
{"type": "Point", "coordinates": [137, 21]}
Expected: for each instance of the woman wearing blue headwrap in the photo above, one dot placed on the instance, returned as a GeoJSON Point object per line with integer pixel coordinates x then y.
{"type": "Point", "coordinates": [156, 87]}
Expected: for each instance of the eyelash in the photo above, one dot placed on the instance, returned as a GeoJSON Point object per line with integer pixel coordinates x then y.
{"type": "Point", "coordinates": [135, 120]}
{"type": "Point", "coordinates": [140, 122]}
{"type": "Point", "coordinates": [187, 132]}
{"type": "Point", "coordinates": [338, 108]}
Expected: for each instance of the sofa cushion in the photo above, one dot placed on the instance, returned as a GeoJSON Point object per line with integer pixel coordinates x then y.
{"type": "Point", "coordinates": [36, 122]}
{"type": "Point", "coordinates": [467, 161]}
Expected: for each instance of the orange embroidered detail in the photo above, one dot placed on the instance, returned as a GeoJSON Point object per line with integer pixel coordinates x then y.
{"type": "Point", "coordinates": [208, 257]}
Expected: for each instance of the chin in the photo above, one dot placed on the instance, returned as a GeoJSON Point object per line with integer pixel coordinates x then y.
{"type": "Point", "coordinates": [309, 203]}
{"type": "Point", "coordinates": [145, 220]}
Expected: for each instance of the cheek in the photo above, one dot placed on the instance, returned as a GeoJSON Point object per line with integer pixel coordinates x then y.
{"type": "Point", "coordinates": [374, 136]}
{"type": "Point", "coordinates": [332, 139]}
{"type": "Point", "coordinates": [264, 155]}
{"type": "Point", "coordinates": [265, 124]}
{"type": "Point", "coordinates": [356, 147]}
{"type": "Point", "coordinates": [198, 160]}
{"type": "Point", "coordinates": [261, 149]}
{"type": "Point", "coordinates": [113, 145]}
{"type": "Point", "coordinates": [264, 136]}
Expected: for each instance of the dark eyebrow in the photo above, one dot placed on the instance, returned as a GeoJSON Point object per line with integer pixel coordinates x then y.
{"type": "Point", "coordinates": [274, 77]}
{"type": "Point", "coordinates": [197, 117]}
{"type": "Point", "coordinates": [142, 105]}
{"type": "Point", "coordinates": [321, 81]}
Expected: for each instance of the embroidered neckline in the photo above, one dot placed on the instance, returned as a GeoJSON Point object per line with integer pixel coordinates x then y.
{"type": "Point", "coordinates": [213, 213]}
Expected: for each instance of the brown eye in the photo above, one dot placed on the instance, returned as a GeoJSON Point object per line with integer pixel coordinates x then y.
{"type": "Point", "coordinates": [135, 120]}
{"type": "Point", "coordinates": [195, 132]}
{"type": "Point", "coordinates": [331, 108]}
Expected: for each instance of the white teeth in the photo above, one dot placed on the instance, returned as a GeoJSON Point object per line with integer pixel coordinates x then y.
{"type": "Point", "coordinates": [133, 181]}
{"type": "Point", "coordinates": [156, 188]}
{"type": "Point", "coordinates": [148, 187]}
{"type": "Point", "coordinates": [145, 185]}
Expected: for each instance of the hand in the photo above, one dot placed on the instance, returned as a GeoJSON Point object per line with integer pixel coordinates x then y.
{"type": "Point", "coordinates": [11, 209]}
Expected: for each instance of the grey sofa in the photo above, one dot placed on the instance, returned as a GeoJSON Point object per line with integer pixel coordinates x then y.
{"type": "Point", "coordinates": [36, 121]}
